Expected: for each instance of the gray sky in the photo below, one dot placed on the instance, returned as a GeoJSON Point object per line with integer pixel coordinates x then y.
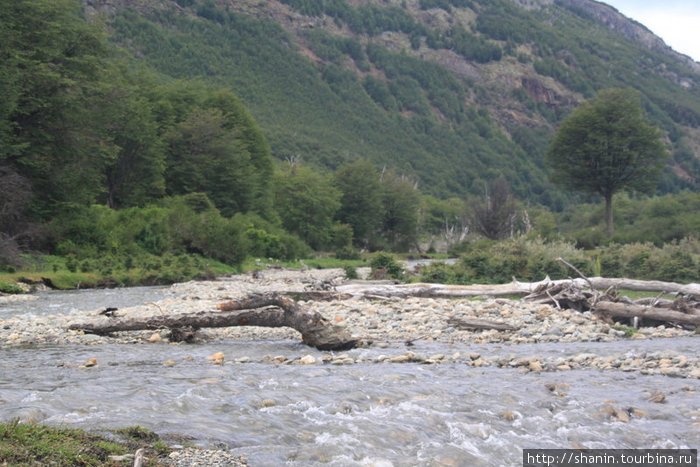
{"type": "Point", "coordinates": [677, 22]}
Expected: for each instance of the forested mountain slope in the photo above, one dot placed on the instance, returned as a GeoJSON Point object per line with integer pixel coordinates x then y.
{"type": "Point", "coordinates": [450, 92]}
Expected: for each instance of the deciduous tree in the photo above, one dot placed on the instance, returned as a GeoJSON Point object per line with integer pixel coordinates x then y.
{"type": "Point", "coordinates": [607, 145]}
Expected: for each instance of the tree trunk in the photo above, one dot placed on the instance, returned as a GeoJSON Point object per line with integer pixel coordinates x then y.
{"type": "Point", "coordinates": [479, 324]}
{"type": "Point", "coordinates": [624, 310]}
{"type": "Point", "coordinates": [609, 227]}
{"type": "Point", "coordinates": [271, 310]}
{"type": "Point", "coordinates": [603, 283]}
{"type": "Point", "coordinates": [360, 289]}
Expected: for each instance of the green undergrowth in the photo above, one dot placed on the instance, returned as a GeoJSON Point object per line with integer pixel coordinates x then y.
{"type": "Point", "coordinates": [66, 273]}
{"type": "Point", "coordinates": [629, 332]}
{"type": "Point", "coordinates": [533, 259]}
{"type": "Point", "coordinates": [28, 444]}
{"type": "Point", "coordinates": [111, 271]}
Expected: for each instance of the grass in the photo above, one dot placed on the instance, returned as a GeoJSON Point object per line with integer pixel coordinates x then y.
{"type": "Point", "coordinates": [27, 444]}
{"type": "Point", "coordinates": [314, 263]}
{"type": "Point", "coordinates": [629, 331]}
{"type": "Point", "coordinates": [158, 270]}
{"type": "Point", "coordinates": [110, 272]}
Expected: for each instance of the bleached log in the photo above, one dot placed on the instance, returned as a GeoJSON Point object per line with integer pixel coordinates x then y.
{"type": "Point", "coordinates": [479, 324]}
{"type": "Point", "coordinates": [625, 310]}
{"type": "Point", "coordinates": [515, 288]}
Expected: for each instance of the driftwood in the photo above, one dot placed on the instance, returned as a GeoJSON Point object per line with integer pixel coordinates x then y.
{"type": "Point", "coordinates": [682, 311]}
{"type": "Point", "coordinates": [360, 289]}
{"type": "Point", "coordinates": [479, 324]}
{"type": "Point", "coordinates": [581, 294]}
{"type": "Point", "coordinates": [270, 310]}
{"type": "Point", "coordinates": [625, 310]}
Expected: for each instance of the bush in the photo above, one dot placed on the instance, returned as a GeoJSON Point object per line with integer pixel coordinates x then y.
{"type": "Point", "coordinates": [351, 273]}
{"type": "Point", "coordinates": [387, 262]}
{"type": "Point", "coordinates": [528, 259]}
{"type": "Point", "coordinates": [439, 273]}
{"type": "Point", "coordinates": [348, 252]}
{"type": "Point", "coordinates": [10, 288]}
{"type": "Point", "coordinates": [675, 262]}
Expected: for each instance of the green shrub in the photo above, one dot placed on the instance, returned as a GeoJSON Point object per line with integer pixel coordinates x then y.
{"type": "Point", "coordinates": [10, 288]}
{"type": "Point", "coordinates": [348, 252]}
{"type": "Point", "coordinates": [526, 259]}
{"type": "Point", "coordinates": [351, 273]}
{"type": "Point", "coordinates": [677, 261]}
{"type": "Point", "coordinates": [71, 263]}
{"type": "Point", "coordinates": [439, 273]}
{"type": "Point", "coordinates": [387, 262]}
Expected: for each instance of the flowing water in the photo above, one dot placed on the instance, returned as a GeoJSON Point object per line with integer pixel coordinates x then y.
{"type": "Point", "coordinates": [359, 414]}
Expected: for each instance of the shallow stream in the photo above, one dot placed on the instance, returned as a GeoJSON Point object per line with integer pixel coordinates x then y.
{"type": "Point", "coordinates": [344, 415]}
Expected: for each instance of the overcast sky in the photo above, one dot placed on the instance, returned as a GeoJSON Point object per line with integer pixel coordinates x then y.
{"type": "Point", "coordinates": [677, 22]}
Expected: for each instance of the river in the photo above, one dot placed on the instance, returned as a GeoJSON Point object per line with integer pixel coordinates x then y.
{"type": "Point", "coordinates": [342, 415]}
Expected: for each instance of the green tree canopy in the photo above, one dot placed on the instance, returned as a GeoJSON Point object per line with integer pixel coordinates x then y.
{"type": "Point", "coordinates": [607, 145]}
{"type": "Point", "coordinates": [306, 202]}
{"type": "Point", "coordinates": [401, 200]}
{"type": "Point", "coordinates": [51, 64]}
{"type": "Point", "coordinates": [361, 200]}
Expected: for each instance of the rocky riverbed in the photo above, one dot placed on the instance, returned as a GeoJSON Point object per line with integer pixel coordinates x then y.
{"type": "Point", "coordinates": [383, 322]}
{"type": "Point", "coordinates": [411, 339]}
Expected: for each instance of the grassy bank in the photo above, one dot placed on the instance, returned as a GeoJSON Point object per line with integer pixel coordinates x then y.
{"type": "Point", "coordinates": [67, 273]}
{"type": "Point", "coordinates": [28, 444]}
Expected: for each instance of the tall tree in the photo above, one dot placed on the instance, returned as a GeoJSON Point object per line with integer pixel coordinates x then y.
{"type": "Point", "coordinates": [361, 200]}
{"type": "Point", "coordinates": [52, 62]}
{"type": "Point", "coordinates": [307, 201]}
{"type": "Point", "coordinates": [204, 156]}
{"type": "Point", "coordinates": [252, 138]}
{"type": "Point", "coordinates": [135, 176]}
{"type": "Point", "coordinates": [401, 200]}
{"type": "Point", "coordinates": [607, 145]}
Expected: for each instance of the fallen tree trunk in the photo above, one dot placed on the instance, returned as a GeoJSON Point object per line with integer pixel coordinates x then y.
{"type": "Point", "coordinates": [359, 289]}
{"type": "Point", "coordinates": [602, 283]}
{"type": "Point", "coordinates": [625, 310]}
{"type": "Point", "coordinates": [479, 324]}
{"type": "Point", "coordinates": [270, 310]}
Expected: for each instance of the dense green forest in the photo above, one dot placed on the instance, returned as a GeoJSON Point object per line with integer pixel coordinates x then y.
{"type": "Point", "coordinates": [171, 136]}
{"type": "Point", "coordinates": [421, 87]}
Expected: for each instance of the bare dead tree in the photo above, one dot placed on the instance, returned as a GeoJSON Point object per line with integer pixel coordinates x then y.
{"type": "Point", "coordinates": [496, 215]}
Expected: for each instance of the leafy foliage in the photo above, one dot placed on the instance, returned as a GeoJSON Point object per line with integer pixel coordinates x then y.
{"type": "Point", "coordinates": [306, 202]}
{"type": "Point", "coordinates": [132, 143]}
{"type": "Point", "coordinates": [605, 146]}
{"type": "Point", "coordinates": [387, 264]}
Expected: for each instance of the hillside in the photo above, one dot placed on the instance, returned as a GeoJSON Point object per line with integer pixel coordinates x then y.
{"type": "Point", "coordinates": [450, 92]}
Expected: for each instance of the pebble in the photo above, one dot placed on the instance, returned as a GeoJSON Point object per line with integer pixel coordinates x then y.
{"type": "Point", "coordinates": [192, 456]}
{"type": "Point", "coordinates": [307, 360]}
{"type": "Point", "coordinates": [381, 322]}
{"type": "Point", "coordinates": [216, 358]}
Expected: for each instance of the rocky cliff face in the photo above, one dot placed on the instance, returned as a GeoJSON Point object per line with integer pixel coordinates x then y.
{"type": "Point", "coordinates": [630, 28]}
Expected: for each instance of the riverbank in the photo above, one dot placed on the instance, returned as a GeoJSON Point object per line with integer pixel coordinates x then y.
{"type": "Point", "coordinates": [386, 323]}
{"type": "Point", "coordinates": [261, 392]}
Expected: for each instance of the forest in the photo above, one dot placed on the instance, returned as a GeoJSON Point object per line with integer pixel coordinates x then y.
{"type": "Point", "coordinates": [157, 169]}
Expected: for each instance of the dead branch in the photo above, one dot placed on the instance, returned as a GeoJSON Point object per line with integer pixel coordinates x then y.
{"type": "Point", "coordinates": [269, 310]}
